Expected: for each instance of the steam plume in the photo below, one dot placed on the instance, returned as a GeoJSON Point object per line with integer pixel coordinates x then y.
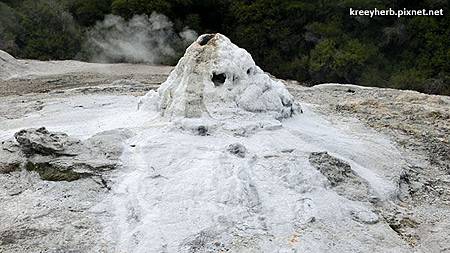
{"type": "Point", "coordinates": [141, 39]}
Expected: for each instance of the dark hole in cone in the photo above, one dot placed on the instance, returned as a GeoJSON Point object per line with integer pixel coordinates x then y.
{"type": "Point", "coordinates": [218, 79]}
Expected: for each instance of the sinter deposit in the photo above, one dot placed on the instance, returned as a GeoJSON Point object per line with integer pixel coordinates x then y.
{"type": "Point", "coordinates": [218, 79]}
{"type": "Point", "coordinates": [9, 66]}
{"type": "Point", "coordinates": [220, 158]}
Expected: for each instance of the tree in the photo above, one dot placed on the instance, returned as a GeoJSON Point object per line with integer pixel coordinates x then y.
{"type": "Point", "coordinates": [9, 29]}
{"type": "Point", "coordinates": [50, 32]}
{"type": "Point", "coordinates": [88, 12]}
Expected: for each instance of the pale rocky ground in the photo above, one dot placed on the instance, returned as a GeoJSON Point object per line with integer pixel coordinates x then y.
{"type": "Point", "coordinates": [383, 186]}
{"type": "Point", "coordinates": [419, 125]}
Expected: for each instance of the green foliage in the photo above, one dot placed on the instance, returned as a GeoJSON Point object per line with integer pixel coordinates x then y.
{"type": "Point", "coordinates": [408, 79]}
{"type": "Point", "coordinates": [49, 32]}
{"type": "Point", "coordinates": [128, 8]}
{"type": "Point", "coordinates": [9, 29]}
{"type": "Point", "coordinates": [202, 15]}
{"type": "Point", "coordinates": [373, 77]}
{"type": "Point", "coordinates": [330, 63]}
{"type": "Point", "coordinates": [88, 12]}
{"type": "Point", "coordinates": [351, 59]}
{"type": "Point", "coordinates": [413, 79]}
{"type": "Point", "coordinates": [322, 63]}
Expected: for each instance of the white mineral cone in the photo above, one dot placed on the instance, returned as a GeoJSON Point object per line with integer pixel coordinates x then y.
{"type": "Point", "coordinates": [216, 78]}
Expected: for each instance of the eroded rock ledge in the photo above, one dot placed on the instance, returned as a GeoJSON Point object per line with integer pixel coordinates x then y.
{"type": "Point", "coordinates": [59, 157]}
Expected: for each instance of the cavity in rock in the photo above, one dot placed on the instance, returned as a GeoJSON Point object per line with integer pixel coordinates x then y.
{"type": "Point", "coordinates": [202, 131]}
{"type": "Point", "coordinates": [218, 79]}
{"type": "Point", "coordinates": [203, 40]}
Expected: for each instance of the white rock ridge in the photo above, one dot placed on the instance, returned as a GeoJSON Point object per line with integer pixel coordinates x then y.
{"type": "Point", "coordinates": [9, 66]}
{"type": "Point", "coordinates": [216, 78]}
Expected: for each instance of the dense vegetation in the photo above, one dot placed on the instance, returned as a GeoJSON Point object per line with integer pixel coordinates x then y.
{"type": "Point", "coordinates": [307, 40]}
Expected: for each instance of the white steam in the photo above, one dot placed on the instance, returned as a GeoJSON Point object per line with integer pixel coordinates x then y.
{"type": "Point", "coordinates": [141, 39]}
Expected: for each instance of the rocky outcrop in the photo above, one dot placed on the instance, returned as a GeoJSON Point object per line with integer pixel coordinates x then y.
{"type": "Point", "coordinates": [340, 176]}
{"type": "Point", "coordinates": [237, 149]}
{"type": "Point", "coordinates": [215, 78]}
{"type": "Point", "coordinates": [41, 142]}
{"type": "Point", "coordinates": [11, 158]}
{"type": "Point", "coordinates": [59, 157]}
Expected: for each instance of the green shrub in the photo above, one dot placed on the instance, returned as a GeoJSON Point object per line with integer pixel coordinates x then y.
{"type": "Point", "coordinates": [410, 79]}
{"type": "Point", "coordinates": [329, 63]}
{"type": "Point", "coordinates": [351, 59]}
{"type": "Point", "coordinates": [88, 12]}
{"type": "Point", "coordinates": [321, 63]}
{"type": "Point", "coordinates": [50, 32]}
{"type": "Point", "coordinates": [373, 77]}
{"type": "Point", "coordinates": [9, 29]}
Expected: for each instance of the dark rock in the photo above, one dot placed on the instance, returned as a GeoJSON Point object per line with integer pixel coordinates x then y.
{"type": "Point", "coordinates": [204, 39]}
{"type": "Point", "coordinates": [41, 141]}
{"type": "Point", "coordinates": [202, 131]}
{"type": "Point", "coordinates": [237, 149]}
{"type": "Point", "coordinates": [340, 176]}
{"type": "Point", "coordinates": [17, 234]}
{"type": "Point", "coordinates": [206, 241]}
{"type": "Point", "coordinates": [51, 172]}
{"type": "Point", "coordinates": [58, 157]}
{"type": "Point", "coordinates": [9, 167]}
{"type": "Point", "coordinates": [10, 157]}
{"type": "Point", "coordinates": [335, 170]}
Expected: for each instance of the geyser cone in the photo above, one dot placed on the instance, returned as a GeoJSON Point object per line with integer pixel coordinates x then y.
{"type": "Point", "coordinates": [216, 78]}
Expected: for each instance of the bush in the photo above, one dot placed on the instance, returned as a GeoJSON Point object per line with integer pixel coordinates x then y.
{"type": "Point", "coordinates": [50, 32]}
{"type": "Point", "coordinates": [9, 29]}
{"type": "Point", "coordinates": [373, 77]}
{"type": "Point", "coordinates": [329, 63]}
{"type": "Point", "coordinates": [321, 64]}
{"type": "Point", "coordinates": [351, 59]}
{"type": "Point", "coordinates": [88, 12]}
{"type": "Point", "coordinates": [410, 79]}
